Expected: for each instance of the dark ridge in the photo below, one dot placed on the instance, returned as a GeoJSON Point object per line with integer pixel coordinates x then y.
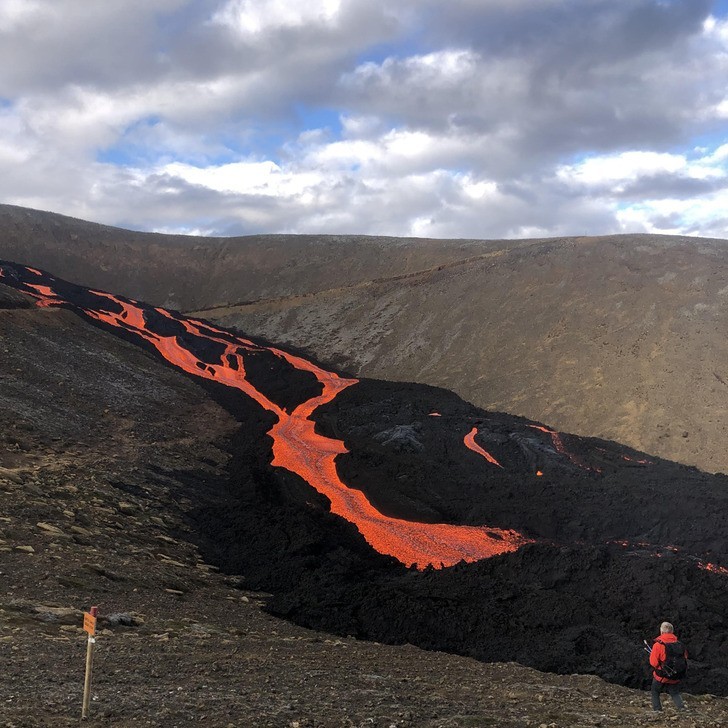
{"type": "Point", "coordinates": [10, 298]}
{"type": "Point", "coordinates": [163, 325]}
{"type": "Point", "coordinates": [415, 466]}
{"type": "Point", "coordinates": [560, 608]}
{"type": "Point", "coordinates": [576, 609]}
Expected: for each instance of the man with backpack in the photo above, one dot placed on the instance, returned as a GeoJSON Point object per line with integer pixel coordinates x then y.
{"type": "Point", "coordinates": [669, 660]}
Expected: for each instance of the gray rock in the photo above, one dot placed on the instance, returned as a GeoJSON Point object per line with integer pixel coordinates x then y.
{"type": "Point", "coordinates": [400, 437]}
{"type": "Point", "coordinates": [124, 619]}
{"type": "Point", "coordinates": [62, 615]}
{"type": "Point", "coordinates": [49, 528]}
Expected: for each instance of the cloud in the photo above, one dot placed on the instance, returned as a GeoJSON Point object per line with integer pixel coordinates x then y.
{"type": "Point", "coordinates": [251, 18]}
{"type": "Point", "coordinates": [473, 118]}
{"type": "Point", "coordinates": [552, 79]}
{"type": "Point", "coordinates": [613, 172]}
{"type": "Point", "coordinates": [659, 192]}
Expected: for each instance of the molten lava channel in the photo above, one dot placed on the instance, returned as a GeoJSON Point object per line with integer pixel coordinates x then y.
{"type": "Point", "coordinates": [297, 446]}
{"type": "Point", "coordinates": [561, 449]}
{"type": "Point", "coordinates": [470, 443]}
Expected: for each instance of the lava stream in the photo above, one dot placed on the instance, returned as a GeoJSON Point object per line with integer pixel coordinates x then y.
{"type": "Point", "coordinates": [560, 448]}
{"type": "Point", "coordinates": [470, 443]}
{"type": "Point", "coordinates": [297, 446]}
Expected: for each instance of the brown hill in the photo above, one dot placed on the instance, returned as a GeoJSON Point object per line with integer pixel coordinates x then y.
{"type": "Point", "coordinates": [621, 337]}
{"type": "Point", "coordinates": [187, 272]}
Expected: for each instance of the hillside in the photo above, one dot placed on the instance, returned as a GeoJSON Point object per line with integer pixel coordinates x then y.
{"type": "Point", "coordinates": [185, 272]}
{"type": "Point", "coordinates": [621, 337]}
{"type": "Point", "coordinates": [123, 482]}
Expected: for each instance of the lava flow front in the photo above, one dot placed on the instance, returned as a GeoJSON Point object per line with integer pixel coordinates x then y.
{"type": "Point", "coordinates": [297, 446]}
{"type": "Point", "coordinates": [470, 443]}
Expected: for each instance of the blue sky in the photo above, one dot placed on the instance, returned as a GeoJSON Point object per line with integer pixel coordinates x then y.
{"type": "Point", "coordinates": [466, 118]}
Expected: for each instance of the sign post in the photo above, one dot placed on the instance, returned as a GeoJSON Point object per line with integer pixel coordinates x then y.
{"type": "Point", "coordinates": [89, 625]}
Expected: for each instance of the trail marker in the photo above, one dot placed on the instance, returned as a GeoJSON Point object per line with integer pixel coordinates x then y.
{"type": "Point", "coordinates": [89, 625]}
{"type": "Point", "coordinates": [89, 622]}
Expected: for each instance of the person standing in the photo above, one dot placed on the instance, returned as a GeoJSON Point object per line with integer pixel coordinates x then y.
{"type": "Point", "coordinates": [669, 660]}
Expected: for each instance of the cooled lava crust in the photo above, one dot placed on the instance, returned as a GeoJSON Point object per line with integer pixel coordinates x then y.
{"type": "Point", "coordinates": [400, 513]}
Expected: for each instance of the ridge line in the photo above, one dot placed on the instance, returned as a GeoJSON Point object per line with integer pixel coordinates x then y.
{"type": "Point", "coordinates": [354, 286]}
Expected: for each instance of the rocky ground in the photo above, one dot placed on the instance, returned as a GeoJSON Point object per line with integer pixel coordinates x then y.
{"type": "Point", "coordinates": [180, 644]}
{"type": "Point", "coordinates": [98, 489]}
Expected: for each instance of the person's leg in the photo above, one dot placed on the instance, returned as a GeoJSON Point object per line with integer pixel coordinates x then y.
{"type": "Point", "coordinates": [674, 692]}
{"type": "Point", "coordinates": [656, 688]}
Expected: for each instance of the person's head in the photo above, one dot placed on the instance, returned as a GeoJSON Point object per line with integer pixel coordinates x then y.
{"type": "Point", "coordinates": [666, 627]}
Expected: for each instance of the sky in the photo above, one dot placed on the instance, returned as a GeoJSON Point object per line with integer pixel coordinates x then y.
{"type": "Point", "coordinates": [427, 118]}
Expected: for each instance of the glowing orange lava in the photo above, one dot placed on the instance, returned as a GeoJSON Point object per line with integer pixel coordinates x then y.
{"type": "Point", "coordinates": [297, 446]}
{"type": "Point", "coordinates": [632, 460]}
{"type": "Point", "coordinates": [659, 553]}
{"type": "Point", "coordinates": [46, 292]}
{"type": "Point", "coordinates": [706, 566]}
{"type": "Point", "coordinates": [627, 458]}
{"type": "Point", "coordinates": [469, 441]}
{"type": "Point", "coordinates": [559, 445]}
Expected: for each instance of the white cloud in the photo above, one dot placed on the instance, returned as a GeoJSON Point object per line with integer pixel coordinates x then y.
{"type": "Point", "coordinates": [252, 17]}
{"type": "Point", "coordinates": [456, 119]}
{"type": "Point", "coordinates": [246, 178]}
{"type": "Point", "coordinates": [653, 192]}
{"type": "Point", "coordinates": [614, 172]}
{"type": "Point", "coordinates": [391, 153]}
{"type": "Point", "coordinates": [442, 69]}
{"type": "Point", "coordinates": [705, 216]}
{"type": "Point", "coordinates": [719, 156]}
{"type": "Point", "coordinates": [339, 187]}
{"type": "Point", "coordinates": [16, 13]}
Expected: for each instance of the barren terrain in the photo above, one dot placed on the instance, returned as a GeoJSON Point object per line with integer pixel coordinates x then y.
{"type": "Point", "coordinates": [624, 338]}
{"type": "Point", "coordinates": [108, 460]}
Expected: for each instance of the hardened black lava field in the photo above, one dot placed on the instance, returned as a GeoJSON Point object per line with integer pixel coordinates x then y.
{"type": "Point", "coordinates": [567, 551]}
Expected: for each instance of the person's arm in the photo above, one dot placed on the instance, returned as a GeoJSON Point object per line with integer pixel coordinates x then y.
{"type": "Point", "coordinates": [657, 656]}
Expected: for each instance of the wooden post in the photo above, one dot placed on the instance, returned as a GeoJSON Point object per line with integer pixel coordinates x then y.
{"type": "Point", "coordinates": [89, 624]}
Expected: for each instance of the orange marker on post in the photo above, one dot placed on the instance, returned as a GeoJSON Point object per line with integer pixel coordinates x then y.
{"type": "Point", "coordinates": [89, 625]}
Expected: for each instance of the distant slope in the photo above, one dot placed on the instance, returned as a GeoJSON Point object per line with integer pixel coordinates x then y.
{"type": "Point", "coordinates": [622, 337]}
{"type": "Point", "coordinates": [186, 272]}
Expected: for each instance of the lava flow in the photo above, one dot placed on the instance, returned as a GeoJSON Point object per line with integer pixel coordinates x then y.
{"type": "Point", "coordinates": [559, 446]}
{"type": "Point", "coordinates": [297, 446]}
{"type": "Point", "coordinates": [470, 443]}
